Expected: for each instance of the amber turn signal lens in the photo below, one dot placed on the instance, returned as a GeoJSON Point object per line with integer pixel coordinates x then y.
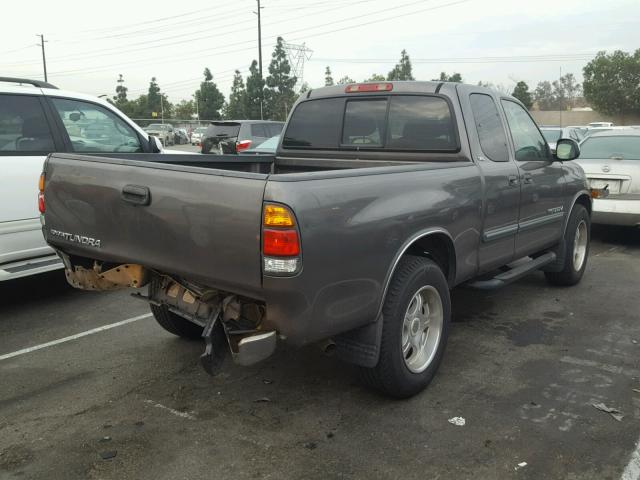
{"type": "Point", "coordinates": [277, 216]}
{"type": "Point", "coordinates": [41, 182]}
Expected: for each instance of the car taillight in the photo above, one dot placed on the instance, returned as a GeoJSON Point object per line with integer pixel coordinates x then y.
{"type": "Point", "coordinates": [369, 87]}
{"type": "Point", "coordinates": [41, 193]}
{"type": "Point", "coordinates": [243, 145]}
{"type": "Point", "coordinates": [280, 240]}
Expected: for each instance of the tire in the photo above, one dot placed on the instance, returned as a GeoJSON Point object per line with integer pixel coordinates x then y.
{"type": "Point", "coordinates": [171, 322]}
{"type": "Point", "coordinates": [403, 371]}
{"type": "Point", "coordinates": [577, 239]}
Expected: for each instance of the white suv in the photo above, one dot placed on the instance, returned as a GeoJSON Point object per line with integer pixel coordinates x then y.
{"type": "Point", "coordinates": [37, 119]}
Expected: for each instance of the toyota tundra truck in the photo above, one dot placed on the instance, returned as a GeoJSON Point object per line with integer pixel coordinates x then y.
{"type": "Point", "coordinates": [380, 198]}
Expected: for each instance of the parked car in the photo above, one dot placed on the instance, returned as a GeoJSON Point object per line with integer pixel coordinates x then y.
{"type": "Point", "coordinates": [553, 134]}
{"type": "Point", "coordinates": [611, 161]}
{"type": "Point", "coordinates": [268, 146]}
{"type": "Point", "coordinates": [197, 134]}
{"type": "Point", "coordinates": [235, 136]}
{"type": "Point", "coordinates": [36, 119]}
{"type": "Point", "coordinates": [163, 131]}
{"type": "Point", "coordinates": [181, 137]}
{"type": "Point", "coordinates": [380, 199]}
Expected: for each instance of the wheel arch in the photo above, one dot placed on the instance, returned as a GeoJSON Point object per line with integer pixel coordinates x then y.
{"type": "Point", "coordinates": [581, 198]}
{"type": "Point", "coordinates": [434, 243]}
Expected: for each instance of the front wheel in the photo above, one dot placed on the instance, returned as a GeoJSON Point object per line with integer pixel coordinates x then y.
{"type": "Point", "coordinates": [577, 238]}
{"type": "Point", "coordinates": [416, 317]}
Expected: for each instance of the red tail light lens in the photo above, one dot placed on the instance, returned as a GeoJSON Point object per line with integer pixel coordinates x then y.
{"type": "Point", "coordinates": [369, 87]}
{"type": "Point", "coordinates": [280, 243]}
{"type": "Point", "coordinates": [243, 145]}
{"type": "Point", "coordinates": [41, 202]}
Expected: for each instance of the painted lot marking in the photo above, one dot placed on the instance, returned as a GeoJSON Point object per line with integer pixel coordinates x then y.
{"type": "Point", "coordinates": [173, 411]}
{"type": "Point", "coordinates": [73, 337]}
{"type": "Point", "coordinates": [632, 471]}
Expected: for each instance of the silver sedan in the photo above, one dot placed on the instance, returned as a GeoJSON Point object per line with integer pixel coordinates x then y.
{"type": "Point", "coordinates": [611, 162]}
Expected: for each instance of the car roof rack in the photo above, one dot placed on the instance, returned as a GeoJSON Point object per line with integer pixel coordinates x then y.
{"type": "Point", "coordinates": [35, 83]}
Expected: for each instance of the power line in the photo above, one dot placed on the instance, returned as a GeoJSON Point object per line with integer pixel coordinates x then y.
{"type": "Point", "coordinates": [520, 58]}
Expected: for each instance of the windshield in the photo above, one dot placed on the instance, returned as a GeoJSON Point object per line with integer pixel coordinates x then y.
{"type": "Point", "coordinates": [396, 122]}
{"type": "Point", "coordinates": [626, 148]}
{"type": "Point", "coordinates": [552, 135]}
{"type": "Point", "coordinates": [200, 130]}
{"type": "Point", "coordinates": [156, 126]}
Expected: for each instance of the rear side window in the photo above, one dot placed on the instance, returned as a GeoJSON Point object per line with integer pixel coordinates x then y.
{"type": "Point", "coordinates": [274, 129]}
{"type": "Point", "coordinates": [315, 124]}
{"type": "Point", "coordinates": [259, 130]}
{"type": "Point", "coordinates": [402, 122]}
{"type": "Point", "coordinates": [493, 140]}
{"type": "Point", "coordinates": [23, 126]}
{"type": "Point", "coordinates": [421, 123]}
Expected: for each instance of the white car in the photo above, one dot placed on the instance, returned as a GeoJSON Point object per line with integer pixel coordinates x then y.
{"type": "Point", "coordinates": [164, 132]}
{"type": "Point", "coordinates": [197, 134]}
{"type": "Point", "coordinates": [611, 162]}
{"type": "Point", "coordinates": [37, 119]}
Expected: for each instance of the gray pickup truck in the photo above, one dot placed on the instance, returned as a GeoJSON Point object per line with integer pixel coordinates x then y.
{"type": "Point", "coordinates": [381, 197]}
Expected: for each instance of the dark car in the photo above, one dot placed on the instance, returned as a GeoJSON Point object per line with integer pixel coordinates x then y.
{"type": "Point", "coordinates": [235, 136]}
{"type": "Point", "coordinates": [380, 198]}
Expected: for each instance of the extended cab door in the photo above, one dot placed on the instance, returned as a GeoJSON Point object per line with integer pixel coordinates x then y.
{"type": "Point", "coordinates": [542, 193]}
{"type": "Point", "coordinates": [489, 147]}
{"type": "Point", "coordinates": [26, 138]}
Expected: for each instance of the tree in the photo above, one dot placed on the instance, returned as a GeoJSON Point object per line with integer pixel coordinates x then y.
{"type": "Point", "coordinates": [544, 96]}
{"type": "Point", "coordinates": [328, 79]}
{"type": "Point", "coordinates": [255, 93]}
{"type": "Point", "coordinates": [444, 77]}
{"type": "Point", "coordinates": [522, 93]}
{"type": "Point", "coordinates": [121, 92]}
{"type": "Point", "coordinates": [237, 107]}
{"type": "Point", "coordinates": [154, 103]}
{"type": "Point", "coordinates": [185, 109]}
{"type": "Point", "coordinates": [612, 82]}
{"type": "Point", "coordinates": [210, 100]}
{"type": "Point", "coordinates": [403, 69]}
{"type": "Point", "coordinates": [346, 79]}
{"type": "Point", "coordinates": [279, 94]}
{"type": "Point", "coordinates": [376, 77]}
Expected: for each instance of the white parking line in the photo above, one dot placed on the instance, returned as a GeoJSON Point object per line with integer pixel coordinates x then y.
{"type": "Point", "coordinates": [632, 471]}
{"type": "Point", "coordinates": [73, 337]}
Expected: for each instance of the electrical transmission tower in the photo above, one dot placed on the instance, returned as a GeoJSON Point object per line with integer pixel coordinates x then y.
{"type": "Point", "coordinates": [297, 55]}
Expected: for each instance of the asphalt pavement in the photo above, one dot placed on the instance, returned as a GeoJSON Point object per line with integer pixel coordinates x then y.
{"type": "Point", "coordinates": [524, 367]}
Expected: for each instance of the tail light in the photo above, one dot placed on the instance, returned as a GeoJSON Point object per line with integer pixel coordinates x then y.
{"type": "Point", "coordinates": [280, 240]}
{"type": "Point", "coordinates": [41, 193]}
{"type": "Point", "coordinates": [369, 87]}
{"type": "Point", "coordinates": [243, 145]}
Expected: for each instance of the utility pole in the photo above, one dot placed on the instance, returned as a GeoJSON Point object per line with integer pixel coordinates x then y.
{"type": "Point", "coordinates": [161, 108]}
{"type": "Point", "coordinates": [44, 59]}
{"type": "Point", "coordinates": [260, 51]}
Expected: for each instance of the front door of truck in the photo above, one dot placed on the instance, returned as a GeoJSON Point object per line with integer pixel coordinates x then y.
{"type": "Point", "coordinates": [490, 150]}
{"type": "Point", "coordinates": [542, 192]}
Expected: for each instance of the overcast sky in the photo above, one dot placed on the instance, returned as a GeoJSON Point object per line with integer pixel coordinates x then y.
{"type": "Point", "coordinates": [498, 41]}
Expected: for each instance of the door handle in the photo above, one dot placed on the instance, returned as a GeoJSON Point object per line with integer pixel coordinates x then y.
{"type": "Point", "coordinates": [513, 180]}
{"type": "Point", "coordinates": [136, 194]}
{"type": "Point", "coordinates": [527, 178]}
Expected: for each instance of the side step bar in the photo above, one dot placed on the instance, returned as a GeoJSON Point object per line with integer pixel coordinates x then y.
{"type": "Point", "coordinates": [32, 266]}
{"type": "Point", "coordinates": [514, 274]}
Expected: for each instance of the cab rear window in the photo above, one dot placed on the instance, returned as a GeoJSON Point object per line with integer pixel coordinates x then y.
{"type": "Point", "coordinates": [397, 123]}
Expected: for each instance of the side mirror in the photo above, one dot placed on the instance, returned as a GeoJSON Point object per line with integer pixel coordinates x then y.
{"type": "Point", "coordinates": [567, 149]}
{"type": "Point", "coordinates": [154, 144]}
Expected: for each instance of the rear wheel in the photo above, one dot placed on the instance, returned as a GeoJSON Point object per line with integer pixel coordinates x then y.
{"type": "Point", "coordinates": [577, 238]}
{"type": "Point", "coordinates": [416, 316]}
{"type": "Point", "coordinates": [171, 322]}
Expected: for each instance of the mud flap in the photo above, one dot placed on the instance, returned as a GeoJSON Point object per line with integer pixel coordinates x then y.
{"type": "Point", "coordinates": [362, 345]}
